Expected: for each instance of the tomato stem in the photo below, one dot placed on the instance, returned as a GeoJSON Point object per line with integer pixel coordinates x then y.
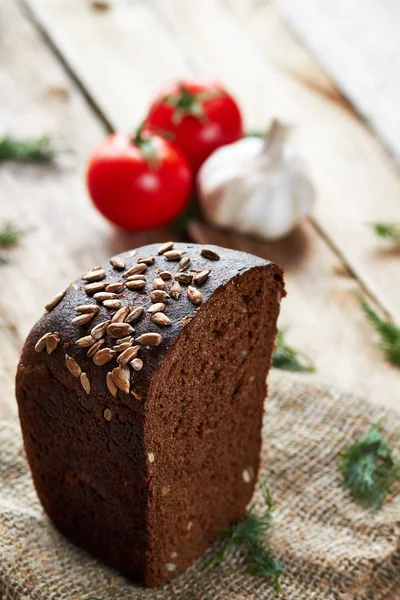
{"type": "Point", "coordinates": [137, 138]}
{"type": "Point", "coordinates": [145, 145]}
{"type": "Point", "coordinates": [186, 103]}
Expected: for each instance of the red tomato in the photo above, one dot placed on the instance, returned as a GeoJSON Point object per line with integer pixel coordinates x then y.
{"type": "Point", "coordinates": [141, 183]}
{"type": "Point", "coordinates": [199, 115]}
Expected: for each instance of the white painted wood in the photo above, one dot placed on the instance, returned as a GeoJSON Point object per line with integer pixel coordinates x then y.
{"type": "Point", "coordinates": [123, 53]}
{"type": "Point", "coordinates": [358, 43]}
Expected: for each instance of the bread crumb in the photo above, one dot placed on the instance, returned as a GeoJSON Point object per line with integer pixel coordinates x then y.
{"type": "Point", "coordinates": [248, 475]}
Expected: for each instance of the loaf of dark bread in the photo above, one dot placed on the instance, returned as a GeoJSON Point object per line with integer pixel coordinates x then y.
{"type": "Point", "coordinates": [141, 395]}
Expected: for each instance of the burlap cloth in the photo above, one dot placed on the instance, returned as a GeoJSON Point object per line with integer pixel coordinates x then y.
{"type": "Point", "coordinates": [332, 548]}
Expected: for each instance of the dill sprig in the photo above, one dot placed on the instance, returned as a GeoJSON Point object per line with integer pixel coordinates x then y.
{"type": "Point", "coordinates": [27, 150]}
{"type": "Point", "coordinates": [289, 359]}
{"type": "Point", "coordinates": [9, 236]}
{"type": "Point", "coordinates": [250, 532]}
{"type": "Point", "coordinates": [389, 231]}
{"type": "Point", "coordinates": [369, 468]}
{"type": "Point", "coordinates": [388, 332]}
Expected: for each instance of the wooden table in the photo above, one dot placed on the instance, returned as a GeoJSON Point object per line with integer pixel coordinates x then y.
{"type": "Point", "coordinates": [77, 73]}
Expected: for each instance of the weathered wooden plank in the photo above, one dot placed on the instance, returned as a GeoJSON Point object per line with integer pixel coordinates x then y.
{"type": "Point", "coordinates": [358, 44]}
{"type": "Point", "coordinates": [123, 53]}
{"type": "Point", "coordinates": [356, 181]}
{"type": "Point", "coordinates": [262, 20]}
{"type": "Point", "coordinates": [64, 235]}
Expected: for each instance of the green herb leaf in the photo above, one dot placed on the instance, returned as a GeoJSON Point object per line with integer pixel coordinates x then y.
{"type": "Point", "coordinates": [250, 532]}
{"type": "Point", "coordinates": [263, 564]}
{"type": "Point", "coordinates": [9, 236]}
{"type": "Point", "coordinates": [288, 359]}
{"type": "Point", "coordinates": [369, 468]}
{"type": "Point", "coordinates": [27, 150]}
{"type": "Point", "coordinates": [390, 231]}
{"type": "Point", "coordinates": [388, 332]}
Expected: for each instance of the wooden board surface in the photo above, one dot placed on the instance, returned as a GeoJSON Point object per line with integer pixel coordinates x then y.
{"type": "Point", "coordinates": [321, 311]}
{"type": "Point", "coordinates": [358, 44]}
{"type": "Point", "coordinates": [121, 54]}
{"type": "Point", "coordinates": [263, 22]}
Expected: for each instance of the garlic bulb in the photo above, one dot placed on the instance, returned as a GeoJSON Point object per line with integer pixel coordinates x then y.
{"type": "Point", "coordinates": [256, 186]}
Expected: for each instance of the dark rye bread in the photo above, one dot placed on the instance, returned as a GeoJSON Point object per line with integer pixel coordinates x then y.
{"type": "Point", "coordinates": [145, 478]}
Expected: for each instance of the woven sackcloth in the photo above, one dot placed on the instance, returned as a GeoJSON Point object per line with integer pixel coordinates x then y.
{"type": "Point", "coordinates": [331, 546]}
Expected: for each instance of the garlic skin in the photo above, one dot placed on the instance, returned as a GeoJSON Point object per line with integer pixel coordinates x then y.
{"type": "Point", "coordinates": [256, 186]}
